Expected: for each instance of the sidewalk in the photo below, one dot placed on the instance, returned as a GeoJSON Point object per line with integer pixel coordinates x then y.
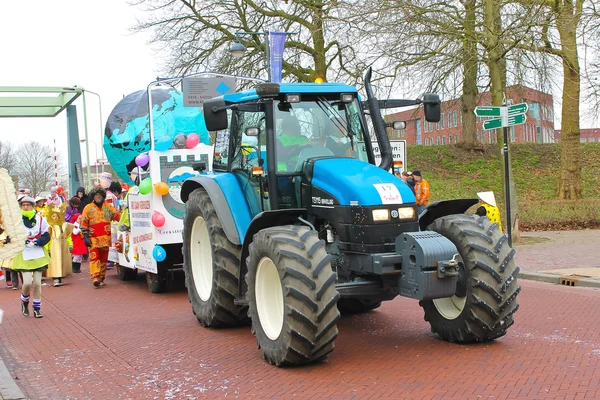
{"type": "Point", "coordinates": [567, 257]}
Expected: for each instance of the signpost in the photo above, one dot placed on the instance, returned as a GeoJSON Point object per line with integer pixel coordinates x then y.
{"type": "Point", "coordinates": [509, 116]}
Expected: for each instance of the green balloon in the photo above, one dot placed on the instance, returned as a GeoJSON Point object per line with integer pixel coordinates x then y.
{"type": "Point", "coordinates": [146, 186]}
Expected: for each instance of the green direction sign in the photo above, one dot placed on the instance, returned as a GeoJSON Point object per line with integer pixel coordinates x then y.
{"type": "Point", "coordinates": [487, 111]}
{"type": "Point", "coordinates": [517, 109]}
{"type": "Point", "coordinates": [493, 123]}
{"type": "Point", "coordinates": [516, 119]}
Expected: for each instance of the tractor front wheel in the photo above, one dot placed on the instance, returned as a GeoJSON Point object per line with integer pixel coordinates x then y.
{"type": "Point", "coordinates": [485, 301]}
{"type": "Point", "coordinates": [211, 264]}
{"type": "Point", "coordinates": [292, 295]}
{"type": "Point", "coordinates": [126, 274]}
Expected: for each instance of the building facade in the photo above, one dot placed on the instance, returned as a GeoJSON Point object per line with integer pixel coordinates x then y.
{"type": "Point", "coordinates": [538, 128]}
{"type": "Point", "coordinates": [586, 135]}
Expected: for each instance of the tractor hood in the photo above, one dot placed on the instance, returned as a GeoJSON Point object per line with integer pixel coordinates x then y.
{"type": "Point", "coordinates": [355, 182]}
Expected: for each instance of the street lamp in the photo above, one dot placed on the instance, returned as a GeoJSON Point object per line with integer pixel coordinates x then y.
{"type": "Point", "coordinates": [88, 158]}
{"type": "Point", "coordinates": [101, 126]}
{"type": "Point", "coordinates": [87, 147]}
{"type": "Point", "coordinates": [237, 48]}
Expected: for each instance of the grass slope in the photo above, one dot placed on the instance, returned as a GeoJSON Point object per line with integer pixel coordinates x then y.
{"type": "Point", "coordinates": [454, 172]}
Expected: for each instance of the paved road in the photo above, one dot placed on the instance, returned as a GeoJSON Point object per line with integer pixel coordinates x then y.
{"type": "Point", "coordinates": [122, 342]}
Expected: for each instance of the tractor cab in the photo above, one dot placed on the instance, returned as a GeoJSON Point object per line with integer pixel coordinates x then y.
{"type": "Point", "coordinates": [266, 135]}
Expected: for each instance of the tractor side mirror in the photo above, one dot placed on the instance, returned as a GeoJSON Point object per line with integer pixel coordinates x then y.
{"type": "Point", "coordinates": [432, 106]}
{"type": "Point", "coordinates": [215, 114]}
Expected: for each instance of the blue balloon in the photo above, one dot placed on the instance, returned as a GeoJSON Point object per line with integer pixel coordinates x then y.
{"type": "Point", "coordinates": [159, 253]}
{"type": "Point", "coordinates": [164, 143]}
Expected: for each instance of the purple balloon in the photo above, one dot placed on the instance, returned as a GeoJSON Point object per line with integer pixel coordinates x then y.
{"type": "Point", "coordinates": [142, 160]}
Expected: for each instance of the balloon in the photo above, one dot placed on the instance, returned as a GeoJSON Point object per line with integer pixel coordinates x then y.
{"type": "Point", "coordinates": [158, 219]}
{"type": "Point", "coordinates": [164, 143]}
{"type": "Point", "coordinates": [159, 253]}
{"type": "Point", "coordinates": [142, 160]}
{"type": "Point", "coordinates": [146, 186]}
{"type": "Point", "coordinates": [161, 188]}
{"type": "Point", "coordinates": [192, 141]}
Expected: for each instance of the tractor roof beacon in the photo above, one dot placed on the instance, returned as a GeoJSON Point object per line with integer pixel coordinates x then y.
{"type": "Point", "coordinates": [295, 225]}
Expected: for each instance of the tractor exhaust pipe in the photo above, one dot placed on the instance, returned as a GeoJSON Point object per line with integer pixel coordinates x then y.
{"type": "Point", "coordinates": [378, 124]}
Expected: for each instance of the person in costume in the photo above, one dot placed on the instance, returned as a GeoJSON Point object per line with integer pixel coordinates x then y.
{"type": "Point", "coordinates": [488, 208]}
{"type": "Point", "coordinates": [40, 205]}
{"type": "Point", "coordinates": [54, 199]}
{"type": "Point", "coordinates": [60, 264]}
{"type": "Point", "coordinates": [33, 260]}
{"type": "Point", "coordinates": [95, 226]}
{"type": "Point", "coordinates": [105, 183]}
{"type": "Point", "coordinates": [78, 248]}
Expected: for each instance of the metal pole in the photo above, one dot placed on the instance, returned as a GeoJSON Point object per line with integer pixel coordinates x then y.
{"type": "Point", "coordinates": [150, 120]}
{"type": "Point", "coordinates": [507, 186]}
{"type": "Point", "coordinates": [268, 55]}
{"type": "Point", "coordinates": [101, 126]}
{"type": "Point", "coordinates": [87, 145]}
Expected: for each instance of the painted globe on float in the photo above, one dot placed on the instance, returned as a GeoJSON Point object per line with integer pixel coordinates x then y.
{"type": "Point", "coordinates": [127, 131]}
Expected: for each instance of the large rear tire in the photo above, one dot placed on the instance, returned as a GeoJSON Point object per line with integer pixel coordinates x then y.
{"type": "Point", "coordinates": [486, 297]}
{"type": "Point", "coordinates": [292, 295]}
{"type": "Point", "coordinates": [357, 306]}
{"type": "Point", "coordinates": [211, 264]}
{"type": "Point", "coordinates": [126, 274]}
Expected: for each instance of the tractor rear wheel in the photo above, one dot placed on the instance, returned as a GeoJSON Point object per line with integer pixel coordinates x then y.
{"type": "Point", "coordinates": [211, 264]}
{"type": "Point", "coordinates": [292, 295]}
{"type": "Point", "coordinates": [357, 306]}
{"type": "Point", "coordinates": [126, 274]}
{"type": "Point", "coordinates": [486, 296]}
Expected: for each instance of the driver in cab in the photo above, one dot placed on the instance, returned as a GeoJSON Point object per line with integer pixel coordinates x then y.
{"type": "Point", "coordinates": [290, 142]}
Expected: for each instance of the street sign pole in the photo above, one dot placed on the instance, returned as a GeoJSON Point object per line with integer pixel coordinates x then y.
{"type": "Point", "coordinates": [507, 186]}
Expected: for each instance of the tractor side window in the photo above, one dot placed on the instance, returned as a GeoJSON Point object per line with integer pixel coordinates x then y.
{"type": "Point", "coordinates": [247, 149]}
{"type": "Point", "coordinates": [220, 140]}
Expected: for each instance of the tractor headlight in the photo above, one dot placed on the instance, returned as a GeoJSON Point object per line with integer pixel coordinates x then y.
{"type": "Point", "coordinates": [381, 215]}
{"type": "Point", "coordinates": [406, 213]}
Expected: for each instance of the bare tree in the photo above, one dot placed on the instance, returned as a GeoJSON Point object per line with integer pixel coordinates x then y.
{"type": "Point", "coordinates": [35, 167]}
{"type": "Point", "coordinates": [197, 36]}
{"type": "Point", "coordinates": [7, 157]}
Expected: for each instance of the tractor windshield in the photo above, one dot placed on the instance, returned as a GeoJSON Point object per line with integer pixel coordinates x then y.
{"type": "Point", "coordinates": [317, 127]}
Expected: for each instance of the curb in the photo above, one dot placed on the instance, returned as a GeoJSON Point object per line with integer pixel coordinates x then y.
{"type": "Point", "coordinates": [555, 279]}
{"type": "Point", "coordinates": [9, 390]}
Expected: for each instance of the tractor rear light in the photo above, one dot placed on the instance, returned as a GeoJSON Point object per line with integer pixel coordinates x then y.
{"type": "Point", "coordinates": [256, 171]}
{"type": "Point", "coordinates": [381, 215]}
{"type": "Point", "coordinates": [406, 213]}
{"type": "Point", "coordinates": [292, 98]}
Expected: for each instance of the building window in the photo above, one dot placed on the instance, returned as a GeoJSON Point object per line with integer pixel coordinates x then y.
{"type": "Point", "coordinates": [418, 129]}
{"type": "Point", "coordinates": [437, 140]}
{"type": "Point", "coordinates": [512, 134]}
{"type": "Point", "coordinates": [437, 126]}
{"type": "Point", "coordinates": [442, 121]}
{"type": "Point", "coordinates": [443, 139]}
{"type": "Point", "coordinates": [455, 118]}
{"type": "Point", "coordinates": [591, 139]}
{"type": "Point", "coordinates": [582, 140]}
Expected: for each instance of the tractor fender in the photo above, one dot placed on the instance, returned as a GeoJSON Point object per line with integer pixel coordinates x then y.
{"type": "Point", "coordinates": [266, 219]}
{"type": "Point", "coordinates": [226, 195]}
{"type": "Point", "coordinates": [442, 208]}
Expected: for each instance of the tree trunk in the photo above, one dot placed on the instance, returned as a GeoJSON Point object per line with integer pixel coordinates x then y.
{"type": "Point", "coordinates": [470, 59]}
{"type": "Point", "coordinates": [569, 184]}
{"type": "Point", "coordinates": [319, 45]}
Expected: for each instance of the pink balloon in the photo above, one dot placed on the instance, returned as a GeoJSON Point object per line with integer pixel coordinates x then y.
{"type": "Point", "coordinates": [192, 141]}
{"type": "Point", "coordinates": [158, 219]}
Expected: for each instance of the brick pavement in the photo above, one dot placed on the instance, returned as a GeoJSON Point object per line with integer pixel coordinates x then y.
{"type": "Point", "coordinates": [123, 342]}
{"type": "Point", "coordinates": [564, 249]}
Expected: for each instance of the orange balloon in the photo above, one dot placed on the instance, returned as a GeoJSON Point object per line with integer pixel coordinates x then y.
{"type": "Point", "coordinates": [161, 188]}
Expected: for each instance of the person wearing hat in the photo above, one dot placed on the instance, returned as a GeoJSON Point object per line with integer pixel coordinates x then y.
{"type": "Point", "coordinates": [421, 191]}
{"type": "Point", "coordinates": [95, 226]}
{"type": "Point", "coordinates": [33, 260]}
{"type": "Point", "coordinates": [488, 208]}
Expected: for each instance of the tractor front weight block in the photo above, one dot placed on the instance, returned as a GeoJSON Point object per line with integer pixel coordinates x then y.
{"type": "Point", "coordinates": [429, 265]}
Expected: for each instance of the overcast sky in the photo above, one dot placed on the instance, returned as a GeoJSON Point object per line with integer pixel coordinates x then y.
{"type": "Point", "coordinates": [66, 43]}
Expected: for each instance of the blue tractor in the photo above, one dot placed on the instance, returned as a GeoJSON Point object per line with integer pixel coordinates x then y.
{"type": "Point", "coordinates": [296, 224]}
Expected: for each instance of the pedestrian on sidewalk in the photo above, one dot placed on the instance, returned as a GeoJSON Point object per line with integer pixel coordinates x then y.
{"type": "Point", "coordinates": [488, 208]}
{"type": "Point", "coordinates": [34, 260]}
{"type": "Point", "coordinates": [79, 248]}
{"type": "Point", "coordinates": [421, 191]}
{"type": "Point", "coordinates": [95, 225]}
